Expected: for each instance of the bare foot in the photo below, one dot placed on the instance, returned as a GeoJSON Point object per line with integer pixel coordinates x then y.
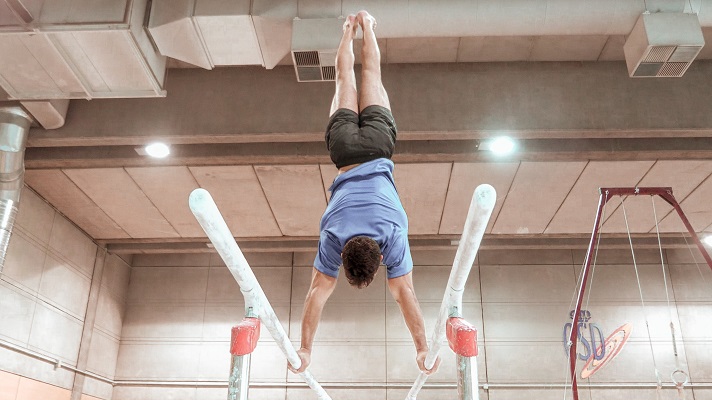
{"type": "Point", "coordinates": [366, 19]}
{"type": "Point", "coordinates": [351, 24]}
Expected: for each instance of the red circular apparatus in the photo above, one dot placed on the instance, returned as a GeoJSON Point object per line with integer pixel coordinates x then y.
{"type": "Point", "coordinates": [462, 337]}
{"type": "Point", "coordinates": [245, 336]}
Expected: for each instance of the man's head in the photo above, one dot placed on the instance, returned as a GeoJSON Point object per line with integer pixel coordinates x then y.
{"type": "Point", "coordinates": [361, 258]}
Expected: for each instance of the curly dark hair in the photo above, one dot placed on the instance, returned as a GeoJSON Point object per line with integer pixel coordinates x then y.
{"type": "Point", "coordinates": [361, 258]}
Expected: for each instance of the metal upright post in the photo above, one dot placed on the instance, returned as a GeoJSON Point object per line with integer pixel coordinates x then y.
{"type": "Point", "coordinates": [243, 342]}
{"type": "Point", "coordinates": [462, 338]}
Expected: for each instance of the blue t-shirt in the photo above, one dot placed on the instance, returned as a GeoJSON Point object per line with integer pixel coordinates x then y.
{"type": "Point", "coordinates": [364, 202]}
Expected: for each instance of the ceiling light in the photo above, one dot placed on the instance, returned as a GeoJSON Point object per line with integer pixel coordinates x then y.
{"type": "Point", "coordinates": [158, 150]}
{"type": "Point", "coordinates": [500, 146]}
{"type": "Point", "coordinates": [708, 240]}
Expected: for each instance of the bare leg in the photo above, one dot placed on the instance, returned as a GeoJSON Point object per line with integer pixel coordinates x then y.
{"type": "Point", "coordinates": [346, 95]}
{"type": "Point", "coordinates": [372, 90]}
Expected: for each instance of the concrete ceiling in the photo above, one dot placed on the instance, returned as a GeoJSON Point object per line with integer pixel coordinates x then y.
{"type": "Point", "coordinates": [254, 139]}
{"type": "Point", "coordinates": [286, 201]}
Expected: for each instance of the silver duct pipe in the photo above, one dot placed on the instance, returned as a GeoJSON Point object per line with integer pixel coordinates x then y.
{"type": "Point", "coordinates": [14, 127]}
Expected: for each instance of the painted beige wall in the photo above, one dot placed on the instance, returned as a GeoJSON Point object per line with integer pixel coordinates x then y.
{"type": "Point", "coordinates": [181, 307]}
{"type": "Point", "coordinates": [44, 294]}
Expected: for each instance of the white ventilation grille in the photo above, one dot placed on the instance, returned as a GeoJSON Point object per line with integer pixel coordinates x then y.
{"type": "Point", "coordinates": [306, 58]}
{"type": "Point", "coordinates": [314, 45]}
{"type": "Point", "coordinates": [314, 66]}
{"type": "Point", "coordinates": [663, 45]}
{"type": "Point", "coordinates": [659, 54]}
{"type": "Point", "coordinates": [666, 61]}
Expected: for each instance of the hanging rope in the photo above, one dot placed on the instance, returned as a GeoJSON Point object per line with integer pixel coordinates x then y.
{"type": "Point", "coordinates": [679, 377]}
{"type": "Point", "coordinates": [642, 302]}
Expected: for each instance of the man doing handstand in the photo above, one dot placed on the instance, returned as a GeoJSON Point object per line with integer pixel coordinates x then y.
{"type": "Point", "coordinates": [365, 223]}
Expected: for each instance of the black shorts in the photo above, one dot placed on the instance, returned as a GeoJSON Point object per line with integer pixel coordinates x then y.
{"type": "Point", "coordinates": [358, 138]}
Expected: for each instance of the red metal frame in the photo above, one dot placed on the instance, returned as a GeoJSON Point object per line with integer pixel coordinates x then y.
{"type": "Point", "coordinates": [606, 193]}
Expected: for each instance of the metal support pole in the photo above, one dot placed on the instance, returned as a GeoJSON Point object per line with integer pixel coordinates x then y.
{"type": "Point", "coordinates": [573, 338]}
{"type": "Point", "coordinates": [481, 206]}
{"type": "Point", "coordinates": [239, 383]}
{"type": "Point", "coordinates": [14, 129]}
{"type": "Point", "coordinates": [212, 222]}
{"type": "Point", "coordinates": [467, 387]}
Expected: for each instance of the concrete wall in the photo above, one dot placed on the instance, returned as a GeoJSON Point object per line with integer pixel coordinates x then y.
{"type": "Point", "coordinates": [44, 301]}
{"type": "Point", "coordinates": [181, 307]}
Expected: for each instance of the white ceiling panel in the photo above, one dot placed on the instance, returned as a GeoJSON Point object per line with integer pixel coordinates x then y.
{"type": "Point", "coordinates": [458, 18]}
{"type": "Point", "coordinates": [510, 18]}
{"type": "Point", "coordinates": [296, 197]}
{"type": "Point", "coordinates": [683, 176]}
{"type": "Point", "coordinates": [613, 50]}
{"type": "Point", "coordinates": [239, 196]}
{"type": "Point", "coordinates": [422, 189]}
{"type": "Point", "coordinates": [422, 50]}
{"type": "Point", "coordinates": [582, 17]}
{"type": "Point", "coordinates": [55, 187]}
{"type": "Point", "coordinates": [538, 190]}
{"type": "Point", "coordinates": [567, 48]}
{"type": "Point", "coordinates": [495, 48]}
{"type": "Point", "coordinates": [577, 213]}
{"type": "Point", "coordinates": [7, 17]}
{"type": "Point", "coordinates": [696, 207]}
{"type": "Point", "coordinates": [168, 189]}
{"type": "Point", "coordinates": [320, 9]}
{"type": "Point", "coordinates": [122, 200]}
{"type": "Point", "coordinates": [464, 179]}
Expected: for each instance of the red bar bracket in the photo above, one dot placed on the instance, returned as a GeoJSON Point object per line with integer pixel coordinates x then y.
{"type": "Point", "coordinates": [245, 336]}
{"type": "Point", "coordinates": [462, 337]}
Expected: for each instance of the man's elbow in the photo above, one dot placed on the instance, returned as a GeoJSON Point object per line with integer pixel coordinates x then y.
{"type": "Point", "coordinates": [404, 295]}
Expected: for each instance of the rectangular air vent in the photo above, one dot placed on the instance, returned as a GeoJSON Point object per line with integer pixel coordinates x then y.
{"type": "Point", "coordinates": [314, 45]}
{"type": "Point", "coordinates": [306, 58]}
{"type": "Point", "coordinates": [663, 45]}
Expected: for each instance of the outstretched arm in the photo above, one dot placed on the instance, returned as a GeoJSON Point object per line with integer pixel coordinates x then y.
{"type": "Point", "coordinates": [321, 288]}
{"type": "Point", "coordinates": [402, 290]}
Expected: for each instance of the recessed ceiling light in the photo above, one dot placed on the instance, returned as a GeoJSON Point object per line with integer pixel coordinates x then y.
{"type": "Point", "coordinates": [500, 146]}
{"type": "Point", "coordinates": [708, 240]}
{"type": "Point", "coordinates": [158, 150]}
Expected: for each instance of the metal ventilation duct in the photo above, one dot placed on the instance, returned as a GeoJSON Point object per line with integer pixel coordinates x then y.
{"type": "Point", "coordinates": [61, 49]}
{"type": "Point", "coordinates": [663, 45]}
{"type": "Point", "coordinates": [314, 46]}
{"type": "Point", "coordinates": [14, 126]}
{"type": "Point", "coordinates": [209, 33]}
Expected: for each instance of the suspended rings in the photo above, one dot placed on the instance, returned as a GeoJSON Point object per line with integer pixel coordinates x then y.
{"type": "Point", "coordinates": [680, 378]}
